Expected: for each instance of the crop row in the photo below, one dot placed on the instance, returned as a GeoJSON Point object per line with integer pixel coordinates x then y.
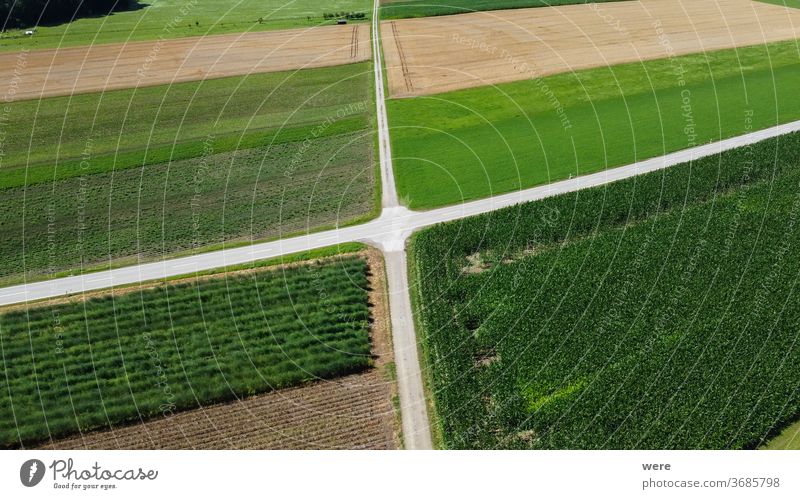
{"type": "Point", "coordinates": [107, 361]}
{"type": "Point", "coordinates": [655, 312]}
{"type": "Point", "coordinates": [247, 194]}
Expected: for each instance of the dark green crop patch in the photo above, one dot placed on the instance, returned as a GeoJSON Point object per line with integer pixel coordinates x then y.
{"type": "Point", "coordinates": [113, 360]}
{"type": "Point", "coordinates": [659, 312]}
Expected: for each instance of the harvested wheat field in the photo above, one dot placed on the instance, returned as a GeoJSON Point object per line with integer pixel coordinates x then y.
{"type": "Point", "coordinates": [351, 412]}
{"type": "Point", "coordinates": [439, 54]}
{"type": "Point", "coordinates": [45, 73]}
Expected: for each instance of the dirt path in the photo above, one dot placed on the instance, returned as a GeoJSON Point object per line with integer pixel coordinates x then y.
{"type": "Point", "coordinates": [109, 67]}
{"type": "Point", "coordinates": [439, 54]}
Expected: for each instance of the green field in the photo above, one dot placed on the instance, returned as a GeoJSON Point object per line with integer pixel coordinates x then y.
{"type": "Point", "coordinates": [246, 159]}
{"type": "Point", "coordinates": [147, 354]}
{"type": "Point", "coordinates": [96, 124]}
{"type": "Point", "coordinates": [788, 439]}
{"type": "Point", "coordinates": [163, 19]}
{"type": "Point", "coordinates": [398, 9]}
{"type": "Point", "coordinates": [784, 3]}
{"type": "Point", "coordinates": [474, 143]}
{"type": "Point", "coordinates": [156, 210]}
{"type": "Point", "coordinates": [657, 312]}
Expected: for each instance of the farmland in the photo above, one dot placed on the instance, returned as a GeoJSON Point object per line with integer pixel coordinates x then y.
{"type": "Point", "coordinates": [96, 124]}
{"type": "Point", "coordinates": [439, 54]}
{"type": "Point", "coordinates": [94, 68]}
{"type": "Point", "coordinates": [347, 413]}
{"type": "Point", "coordinates": [479, 142]}
{"type": "Point", "coordinates": [128, 357]}
{"type": "Point", "coordinates": [399, 9]}
{"type": "Point", "coordinates": [248, 158]}
{"type": "Point", "coordinates": [165, 19]}
{"type": "Point", "coordinates": [350, 412]}
{"type": "Point", "coordinates": [656, 312]}
{"type": "Point", "coordinates": [145, 212]}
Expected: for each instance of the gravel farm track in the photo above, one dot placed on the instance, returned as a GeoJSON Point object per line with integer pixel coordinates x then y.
{"type": "Point", "coordinates": [52, 72]}
{"type": "Point", "coordinates": [351, 412]}
{"type": "Point", "coordinates": [439, 54]}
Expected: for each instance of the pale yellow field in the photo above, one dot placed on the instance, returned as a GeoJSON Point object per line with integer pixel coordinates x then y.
{"type": "Point", "coordinates": [66, 71]}
{"type": "Point", "coordinates": [438, 54]}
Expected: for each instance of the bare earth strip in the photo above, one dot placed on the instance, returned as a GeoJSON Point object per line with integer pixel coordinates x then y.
{"type": "Point", "coordinates": [352, 412]}
{"type": "Point", "coordinates": [439, 54]}
{"type": "Point", "coordinates": [45, 73]}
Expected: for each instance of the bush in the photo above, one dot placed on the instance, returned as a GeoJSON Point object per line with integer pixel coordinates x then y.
{"type": "Point", "coordinates": [344, 15]}
{"type": "Point", "coordinates": [25, 13]}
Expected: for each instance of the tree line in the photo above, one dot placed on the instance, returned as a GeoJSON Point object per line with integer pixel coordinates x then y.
{"type": "Point", "coordinates": [27, 13]}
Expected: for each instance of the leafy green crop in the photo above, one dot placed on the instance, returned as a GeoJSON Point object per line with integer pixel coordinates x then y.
{"type": "Point", "coordinates": [104, 177]}
{"type": "Point", "coordinates": [116, 359]}
{"type": "Point", "coordinates": [656, 312]}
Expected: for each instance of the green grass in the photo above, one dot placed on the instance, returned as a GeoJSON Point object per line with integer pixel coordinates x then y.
{"type": "Point", "coordinates": [164, 19]}
{"type": "Point", "coordinates": [89, 127]}
{"type": "Point", "coordinates": [784, 3]}
{"type": "Point", "coordinates": [303, 256]}
{"type": "Point", "coordinates": [478, 142]}
{"type": "Point", "coordinates": [115, 360]}
{"type": "Point", "coordinates": [657, 312]}
{"type": "Point", "coordinates": [398, 9]}
{"type": "Point", "coordinates": [39, 173]}
{"type": "Point", "coordinates": [788, 439]}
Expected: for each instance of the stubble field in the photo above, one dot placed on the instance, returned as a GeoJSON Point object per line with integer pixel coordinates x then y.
{"type": "Point", "coordinates": [438, 54]}
{"type": "Point", "coordinates": [95, 68]}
